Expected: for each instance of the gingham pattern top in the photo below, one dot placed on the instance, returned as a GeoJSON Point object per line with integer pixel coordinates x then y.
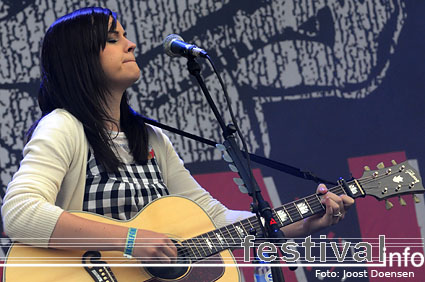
{"type": "Point", "coordinates": [122, 195]}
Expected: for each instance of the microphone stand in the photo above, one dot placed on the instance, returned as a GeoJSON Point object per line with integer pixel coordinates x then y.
{"type": "Point", "coordinates": [259, 206]}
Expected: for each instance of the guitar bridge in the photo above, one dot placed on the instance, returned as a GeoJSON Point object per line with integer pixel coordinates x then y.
{"type": "Point", "coordinates": [98, 273]}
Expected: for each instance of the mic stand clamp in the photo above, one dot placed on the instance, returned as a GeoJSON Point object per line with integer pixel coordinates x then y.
{"type": "Point", "coordinates": [271, 230]}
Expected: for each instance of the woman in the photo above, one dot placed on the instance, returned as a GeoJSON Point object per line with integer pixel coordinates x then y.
{"type": "Point", "coordinates": [90, 151]}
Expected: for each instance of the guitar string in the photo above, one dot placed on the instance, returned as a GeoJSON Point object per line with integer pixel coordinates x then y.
{"type": "Point", "coordinates": [314, 205]}
{"type": "Point", "coordinates": [247, 223]}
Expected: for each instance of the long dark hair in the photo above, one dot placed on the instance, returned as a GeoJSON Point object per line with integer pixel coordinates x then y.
{"type": "Point", "coordinates": [72, 78]}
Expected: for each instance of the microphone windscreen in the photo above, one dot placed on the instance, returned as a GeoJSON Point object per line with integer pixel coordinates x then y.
{"type": "Point", "coordinates": [167, 44]}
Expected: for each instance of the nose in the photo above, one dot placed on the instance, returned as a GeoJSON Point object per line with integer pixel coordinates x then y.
{"type": "Point", "coordinates": [131, 46]}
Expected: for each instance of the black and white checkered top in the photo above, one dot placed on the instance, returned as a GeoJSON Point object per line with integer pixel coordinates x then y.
{"type": "Point", "coordinates": [122, 195]}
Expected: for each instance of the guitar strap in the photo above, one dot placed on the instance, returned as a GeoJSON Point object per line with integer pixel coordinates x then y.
{"type": "Point", "coordinates": [294, 171]}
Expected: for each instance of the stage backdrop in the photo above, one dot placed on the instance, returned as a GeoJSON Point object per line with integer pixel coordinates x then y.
{"type": "Point", "coordinates": [328, 86]}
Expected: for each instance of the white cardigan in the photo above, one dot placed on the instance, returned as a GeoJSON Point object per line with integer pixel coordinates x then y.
{"type": "Point", "coordinates": [52, 176]}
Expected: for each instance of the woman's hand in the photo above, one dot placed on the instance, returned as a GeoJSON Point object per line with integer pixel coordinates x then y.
{"type": "Point", "coordinates": [336, 207]}
{"type": "Point", "coordinates": [153, 247]}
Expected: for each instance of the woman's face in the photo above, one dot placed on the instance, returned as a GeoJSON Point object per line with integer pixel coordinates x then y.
{"type": "Point", "coordinates": [118, 60]}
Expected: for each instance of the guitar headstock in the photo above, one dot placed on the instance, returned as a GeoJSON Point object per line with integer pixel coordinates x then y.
{"type": "Point", "coordinates": [399, 179]}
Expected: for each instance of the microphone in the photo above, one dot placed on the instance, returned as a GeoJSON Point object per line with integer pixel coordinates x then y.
{"type": "Point", "coordinates": [174, 46]}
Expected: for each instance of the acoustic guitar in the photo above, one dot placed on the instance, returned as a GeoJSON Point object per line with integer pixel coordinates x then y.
{"type": "Point", "coordinates": [195, 235]}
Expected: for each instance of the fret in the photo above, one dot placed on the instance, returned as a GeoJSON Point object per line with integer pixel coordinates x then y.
{"type": "Point", "coordinates": [190, 243]}
{"type": "Point", "coordinates": [314, 206]}
{"type": "Point", "coordinates": [219, 246]}
{"type": "Point", "coordinates": [252, 229]}
{"type": "Point", "coordinates": [283, 216]}
{"type": "Point", "coordinates": [278, 218]}
{"type": "Point", "coordinates": [201, 247]}
{"type": "Point", "coordinates": [214, 241]}
{"type": "Point", "coordinates": [293, 211]}
{"type": "Point", "coordinates": [315, 203]}
{"type": "Point", "coordinates": [320, 201]}
{"type": "Point", "coordinates": [243, 226]}
{"type": "Point", "coordinates": [235, 234]}
{"type": "Point", "coordinates": [239, 231]}
{"type": "Point", "coordinates": [208, 245]}
{"type": "Point", "coordinates": [305, 200]}
{"type": "Point", "coordinates": [298, 209]}
{"type": "Point", "coordinates": [229, 238]}
{"type": "Point", "coordinates": [184, 253]}
{"type": "Point", "coordinates": [288, 213]}
{"type": "Point", "coordinates": [262, 221]}
{"type": "Point", "coordinates": [256, 226]}
{"type": "Point", "coordinates": [295, 215]}
{"type": "Point", "coordinates": [247, 226]}
{"type": "Point", "coordinates": [355, 188]}
{"type": "Point", "coordinates": [338, 190]}
{"type": "Point", "coordinates": [252, 226]}
{"type": "Point", "coordinates": [211, 245]}
{"type": "Point", "coordinates": [302, 208]}
{"type": "Point", "coordinates": [230, 235]}
{"type": "Point", "coordinates": [221, 239]}
{"type": "Point", "coordinates": [217, 242]}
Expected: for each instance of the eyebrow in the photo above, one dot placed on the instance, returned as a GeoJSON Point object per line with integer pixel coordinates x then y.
{"type": "Point", "coordinates": [117, 32]}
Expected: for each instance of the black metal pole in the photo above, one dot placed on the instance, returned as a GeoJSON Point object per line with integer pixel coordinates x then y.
{"type": "Point", "coordinates": [261, 207]}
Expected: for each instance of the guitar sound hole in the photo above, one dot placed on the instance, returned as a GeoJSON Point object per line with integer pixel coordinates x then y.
{"type": "Point", "coordinates": [167, 272]}
{"type": "Point", "coordinates": [171, 272]}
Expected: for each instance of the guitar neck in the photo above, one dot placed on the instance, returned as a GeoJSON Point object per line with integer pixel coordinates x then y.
{"type": "Point", "coordinates": [232, 235]}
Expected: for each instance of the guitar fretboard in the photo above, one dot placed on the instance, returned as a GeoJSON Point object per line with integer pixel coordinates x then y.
{"type": "Point", "coordinates": [231, 236]}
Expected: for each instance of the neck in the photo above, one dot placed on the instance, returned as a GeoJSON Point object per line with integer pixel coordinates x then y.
{"type": "Point", "coordinates": [113, 110]}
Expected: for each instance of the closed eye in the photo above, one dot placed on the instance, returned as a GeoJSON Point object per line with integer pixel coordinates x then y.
{"type": "Point", "coordinates": [115, 36]}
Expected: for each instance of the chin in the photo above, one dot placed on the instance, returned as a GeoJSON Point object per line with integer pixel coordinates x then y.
{"type": "Point", "coordinates": [133, 79]}
{"type": "Point", "coordinates": [134, 76]}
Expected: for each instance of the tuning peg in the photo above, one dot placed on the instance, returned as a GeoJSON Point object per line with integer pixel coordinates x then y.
{"type": "Point", "coordinates": [388, 205]}
{"type": "Point", "coordinates": [380, 165]}
{"type": "Point", "coordinates": [393, 162]}
{"type": "Point", "coordinates": [416, 199]}
{"type": "Point", "coordinates": [402, 201]}
{"type": "Point", "coordinates": [366, 168]}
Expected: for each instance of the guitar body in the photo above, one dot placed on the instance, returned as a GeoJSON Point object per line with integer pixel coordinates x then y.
{"type": "Point", "coordinates": [175, 216]}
